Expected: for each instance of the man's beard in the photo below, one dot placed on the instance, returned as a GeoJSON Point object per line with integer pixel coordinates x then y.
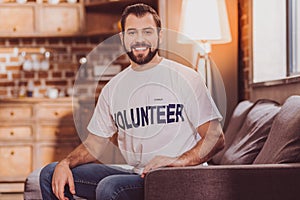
{"type": "Point", "coordinates": [140, 60]}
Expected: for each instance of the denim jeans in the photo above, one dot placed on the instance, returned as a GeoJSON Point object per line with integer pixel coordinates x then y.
{"type": "Point", "coordinates": [97, 181]}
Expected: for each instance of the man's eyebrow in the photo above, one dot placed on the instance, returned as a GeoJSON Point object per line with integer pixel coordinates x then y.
{"type": "Point", "coordinates": [134, 29]}
{"type": "Point", "coordinates": [131, 29]}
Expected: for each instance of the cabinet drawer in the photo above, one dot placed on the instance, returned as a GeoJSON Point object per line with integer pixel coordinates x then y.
{"type": "Point", "coordinates": [57, 132]}
{"type": "Point", "coordinates": [51, 153]}
{"type": "Point", "coordinates": [13, 113]}
{"type": "Point", "coordinates": [16, 20]}
{"type": "Point", "coordinates": [55, 113]}
{"type": "Point", "coordinates": [15, 161]}
{"type": "Point", "coordinates": [15, 133]}
{"type": "Point", "coordinates": [60, 20]}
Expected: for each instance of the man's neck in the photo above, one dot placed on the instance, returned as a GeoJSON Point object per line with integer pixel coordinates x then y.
{"type": "Point", "coordinates": [156, 60]}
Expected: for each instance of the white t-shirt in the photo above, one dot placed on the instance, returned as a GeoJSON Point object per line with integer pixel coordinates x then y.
{"type": "Point", "coordinates": [155, 111]}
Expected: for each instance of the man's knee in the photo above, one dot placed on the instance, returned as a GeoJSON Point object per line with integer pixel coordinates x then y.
{"type": "Point", "coordinates": [47, 172]}
{"type": "Point", "coordinates": [107, 188]}
{"type": "Point", "coordinates": [119, 187]}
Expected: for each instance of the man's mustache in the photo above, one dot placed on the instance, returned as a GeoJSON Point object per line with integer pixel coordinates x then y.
{"type": "Point", "coordinates": [138, 45]}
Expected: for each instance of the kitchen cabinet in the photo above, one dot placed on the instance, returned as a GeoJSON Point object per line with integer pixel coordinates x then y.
{"type": "Point", "coordinates": [62, 19]}
{"type": "Point", "coordinates": [41, 20]}
{"type": "Point", "coordinates": [18, 20]}
{"type": "Point", "coordinates": [84, 18]}
{"type": "Point", "coordinates": [102, 17]}
{"type": "Point", "coordinates": [33, 133]}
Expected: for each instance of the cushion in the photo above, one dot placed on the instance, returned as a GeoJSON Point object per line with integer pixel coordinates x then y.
{"type": "Point", "coordinates": [32, 186]}
{"type": "Point", "coordinates": [251, 137]}
{"type": "Point", "coordinates": [234, 125]}
{"type": "Point", "coordinates": [283, 143]}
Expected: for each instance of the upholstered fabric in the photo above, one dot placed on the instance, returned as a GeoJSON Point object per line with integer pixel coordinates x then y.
{"type": "Point", "coordinates": [225, 182]}
{"type": "Point", "coordinates": [251, 137]}
{"type": "Point", "coordinates": [235, 124]}
{"type": "Point", "coordinates": [283, 143]}
{"type": "Point", "coordinates": [32, 186]}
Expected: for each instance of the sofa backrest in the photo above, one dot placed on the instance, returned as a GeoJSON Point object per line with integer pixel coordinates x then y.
{"type": "Point", "coordinates": [283, 143]}
{"type": "Point", "coordinates": [247, 132]}
{"type": "Point", "coordinates": [235, 123]}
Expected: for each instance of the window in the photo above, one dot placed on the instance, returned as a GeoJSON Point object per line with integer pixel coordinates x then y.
{"type": "Point", "coordinates": [294, 32]}
{"type": "Point", "coordinates": [275, 37]}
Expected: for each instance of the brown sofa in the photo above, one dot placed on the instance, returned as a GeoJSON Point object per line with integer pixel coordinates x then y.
{"type": "Point", "coordinates": [259, 161]}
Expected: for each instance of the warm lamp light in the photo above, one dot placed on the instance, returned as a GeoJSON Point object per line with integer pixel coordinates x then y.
{"type": "Point", "coordinates": [206, 22]}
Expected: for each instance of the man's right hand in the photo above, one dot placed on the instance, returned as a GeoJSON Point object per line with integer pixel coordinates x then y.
{"type": "Point", "coordinates": [62, 176]}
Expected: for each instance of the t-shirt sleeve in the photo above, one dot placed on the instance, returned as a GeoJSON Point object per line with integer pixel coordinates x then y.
{"type": "Point", "coordinates": [201, 108]}
{"type": "Point", "coordinates": [102, 123]}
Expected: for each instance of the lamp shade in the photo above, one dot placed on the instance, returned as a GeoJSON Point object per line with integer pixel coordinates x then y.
{"type": "Point", "coordinates": [204, 20]}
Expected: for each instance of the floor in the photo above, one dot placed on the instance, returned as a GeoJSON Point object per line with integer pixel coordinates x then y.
{"type": "Point", "coordinates": [14, 196]}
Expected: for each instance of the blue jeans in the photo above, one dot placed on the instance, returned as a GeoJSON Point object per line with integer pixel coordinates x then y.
{"type": "Point", "coordinates": [97, 181]}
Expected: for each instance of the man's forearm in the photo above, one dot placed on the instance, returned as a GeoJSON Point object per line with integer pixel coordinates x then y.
{"type": "Point", "coordinates": [89, 151]}
{"type": "Point", "coordinates": [79, 156]}
{"type": "Point", "coordinates": [208, 146]}
{"type": "Point", "coordinates": [200, 153]}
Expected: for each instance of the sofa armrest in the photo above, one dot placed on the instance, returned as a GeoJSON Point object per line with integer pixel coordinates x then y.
{"type": "Point", "coordinates": [226, 182]}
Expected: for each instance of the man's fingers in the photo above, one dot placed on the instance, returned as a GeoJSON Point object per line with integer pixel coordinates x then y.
{"type": "Point", "coordinates": [61, 189]}
{"type": "Point", "coordinates": [71, 184]}
{"type": "Point", "coordinates": [55, 188]}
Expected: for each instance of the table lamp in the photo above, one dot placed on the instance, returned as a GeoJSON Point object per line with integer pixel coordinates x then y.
{"type": "Point", "coordinates": [206, 22]}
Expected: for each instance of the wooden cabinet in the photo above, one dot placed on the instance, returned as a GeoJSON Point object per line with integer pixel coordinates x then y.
{"type": "Point", "coordinates": [60, 20]}
{"type": "Point", "coordinates": [18, 20]}
{"type": "Point", "coordinates": [41, 20]}
{"type": "Point", "coordinates": [102, 17]}
{"type": "Point", "coordinates": [64, 19]}
{"type": "Point", "coordinates": [85, 18]}
{"type": "Point", "coordinates": [33, 133]}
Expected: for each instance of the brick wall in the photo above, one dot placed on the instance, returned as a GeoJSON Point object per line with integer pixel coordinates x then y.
{"type": "Point", "coordinates": [245, 64]}
{"type": "Point", "coordinates": [64, 63]}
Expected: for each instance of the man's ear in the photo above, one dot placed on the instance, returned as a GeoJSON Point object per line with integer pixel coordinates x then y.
{"type": "Point", "coordinates": [160, 35]}
{"type": "Point", "coordinates": [121, 37]}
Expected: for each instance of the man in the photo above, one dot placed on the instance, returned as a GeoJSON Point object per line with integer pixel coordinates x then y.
{"type": "Point", "coordinates": [160, 112]}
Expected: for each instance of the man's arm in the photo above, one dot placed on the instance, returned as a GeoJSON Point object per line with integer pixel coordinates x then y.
{"type": "Point", "coordinates": [89, 151]}
{"type": "Point", "coordinates": [212, 141]}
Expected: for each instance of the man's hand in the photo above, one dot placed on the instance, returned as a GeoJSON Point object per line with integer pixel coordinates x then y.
{"type": "Point", "coordinates": [62, 175]}
{"type": "Point", "coordinates": [157, 162]}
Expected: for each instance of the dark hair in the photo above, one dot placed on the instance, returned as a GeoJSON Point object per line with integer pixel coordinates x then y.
{"type": "Point", "coordinates": [139, 10]}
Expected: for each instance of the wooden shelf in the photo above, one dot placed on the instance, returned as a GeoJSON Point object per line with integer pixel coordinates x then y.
{"type": "Point", "coordinates": [41, 20]}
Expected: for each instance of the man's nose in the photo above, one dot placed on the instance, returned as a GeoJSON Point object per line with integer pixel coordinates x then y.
{"type": "Point", "coordinates": [140, 37]}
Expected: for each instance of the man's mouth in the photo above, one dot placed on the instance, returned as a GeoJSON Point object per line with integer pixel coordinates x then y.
{"type": "Point", "coordinates": [140, 48]}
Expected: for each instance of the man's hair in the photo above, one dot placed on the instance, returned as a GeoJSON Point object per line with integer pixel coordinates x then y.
{"type": "Point", "coordinates": [139, 10]}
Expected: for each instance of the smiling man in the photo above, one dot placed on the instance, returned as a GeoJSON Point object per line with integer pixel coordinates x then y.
{"type": "Point", "coordinates": [157, 112]}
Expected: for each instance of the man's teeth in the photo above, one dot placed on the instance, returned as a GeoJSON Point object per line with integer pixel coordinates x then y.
{"type": "Point", "coordinates": [140, 48]}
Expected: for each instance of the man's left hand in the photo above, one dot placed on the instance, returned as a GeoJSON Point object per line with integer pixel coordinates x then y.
{"type": "Point", "coordinates": [157, 162]}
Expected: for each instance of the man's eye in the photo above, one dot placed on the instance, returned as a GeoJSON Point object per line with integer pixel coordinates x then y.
{"type": "Point", "coordinates": [148, 32]}
{"type": "Point", "coordinates": [131, 32]}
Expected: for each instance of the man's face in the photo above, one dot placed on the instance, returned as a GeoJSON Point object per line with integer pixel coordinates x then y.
{"type": "Point", "coordinates": [140, 38]}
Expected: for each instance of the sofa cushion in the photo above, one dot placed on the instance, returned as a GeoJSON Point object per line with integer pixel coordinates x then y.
{"type": "Point", "coordinates": [251, 137]}
{"type": "Point", "coordinates": [235, 124]}
{"type": "Point", "coordinates": [283, 143]}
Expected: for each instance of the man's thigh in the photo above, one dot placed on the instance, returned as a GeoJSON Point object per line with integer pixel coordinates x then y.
{"type": "Point", "coordinates": [87, 176]}
{"type": "Point", "coordinates": [121, 186]}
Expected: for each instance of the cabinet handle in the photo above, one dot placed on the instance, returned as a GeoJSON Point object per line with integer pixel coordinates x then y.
{"type": "Point", "coordinates": [56, 113]}
{"type": "Point", "coordinates": [14, 29]}
{"type": "Point", "coordinates": [12, 133]}
{"type": "Point", "coordinates": [12, 153]}
{"type": "Point", "coordinates": [12, 113]}
{"type": "Point", "coordinates": [58, 29]}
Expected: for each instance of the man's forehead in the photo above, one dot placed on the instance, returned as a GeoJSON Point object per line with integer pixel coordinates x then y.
{"type": "Point", "coordinates": [134, 22]}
